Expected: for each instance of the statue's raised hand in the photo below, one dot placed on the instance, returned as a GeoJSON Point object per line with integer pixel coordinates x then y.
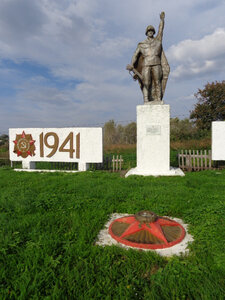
{"type": "Point", "coordinates": [162, 15]}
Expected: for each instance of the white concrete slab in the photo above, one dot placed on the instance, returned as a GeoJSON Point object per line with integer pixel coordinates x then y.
{"type": "Point", "coordinates": [171, 172]}
{"type": "Point", "coordinates": [46, 171]}
{"type": "Point", "coordinates": [88, 150]}
{"type": "Point", "coordinates": [218, 140]}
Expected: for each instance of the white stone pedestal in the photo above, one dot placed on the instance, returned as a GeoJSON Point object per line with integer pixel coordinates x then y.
{"type": "Point", "coordinates": [26, 164]}
{"type": "Point", "coordinates": [153, 142]}
{"type": "Point", "coordinates": [83, 166]}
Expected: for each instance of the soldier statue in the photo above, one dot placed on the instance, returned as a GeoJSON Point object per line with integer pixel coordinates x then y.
{"type": "Point", "coordinates": [149, 65]}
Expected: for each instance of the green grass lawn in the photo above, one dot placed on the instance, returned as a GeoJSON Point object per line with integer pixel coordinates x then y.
{"type": "Point", "coordinates": [49, 223]}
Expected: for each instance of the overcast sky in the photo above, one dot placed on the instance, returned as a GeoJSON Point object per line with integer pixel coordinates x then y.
{"type": "Point", "coordinates": [63, 62]}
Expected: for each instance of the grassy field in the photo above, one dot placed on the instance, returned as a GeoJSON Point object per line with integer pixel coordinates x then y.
{"type": "Point", "coordinates": [49, 224]}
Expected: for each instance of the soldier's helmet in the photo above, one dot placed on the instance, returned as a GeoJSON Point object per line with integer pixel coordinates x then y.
{"type": "Point", "coordinates": [150, 27]}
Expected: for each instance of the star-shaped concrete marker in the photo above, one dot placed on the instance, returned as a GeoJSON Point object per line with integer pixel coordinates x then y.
{"type": "Point", "coordinates": [155, 230]}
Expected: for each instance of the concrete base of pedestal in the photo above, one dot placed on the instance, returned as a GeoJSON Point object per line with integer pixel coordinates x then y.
{"type": "Point", "coordinates": [27, 165]}
{"type": "Point", "coordinates": [171, 172]}
{"type": "Point", "coordinates": [153, 142]}
{"type": "Point", "coordinates": [31, 166]}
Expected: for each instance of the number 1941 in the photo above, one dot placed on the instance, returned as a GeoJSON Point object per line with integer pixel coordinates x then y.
{"type": "Point", "coordinates": [55, 145]}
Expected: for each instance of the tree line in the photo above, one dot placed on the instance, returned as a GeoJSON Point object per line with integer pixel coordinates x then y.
{"type": "Point", "coordinates": [119, 134]}
{"type": "Point", "coordinates": [210, 107]}
{"type": "Point", "coordinates": [179, 130]}
{"type": "Point", "coordinates": [4, 138]}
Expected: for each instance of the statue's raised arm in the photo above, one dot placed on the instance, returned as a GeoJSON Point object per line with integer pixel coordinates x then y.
{"type": "Point", "coordinates": [161, 26]}
{"type": "Point", "coordinates": [149, 64]}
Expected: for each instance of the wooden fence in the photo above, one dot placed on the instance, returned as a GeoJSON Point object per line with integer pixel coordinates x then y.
{"type": "Point", "coordinates": [4, 159]}
{"type": "Point", "coordinates": [195, 160]}
{"type": "Point", "coordinates": [4, 155]}
{"type": "Point", "coordinates": [117, 163]}
{"type": "Point", "coordinates": [111, 163]}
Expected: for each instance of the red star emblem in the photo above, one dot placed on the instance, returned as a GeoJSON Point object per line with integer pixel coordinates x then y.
{"type": "Point", "coordinates": [154, 228]}
{"type": "Point", "coordinates": [24, 145]}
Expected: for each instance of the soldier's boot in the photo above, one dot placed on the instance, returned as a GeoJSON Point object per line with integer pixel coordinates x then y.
{"type": "Point", "coordinates": [158, 92]}
{"type": "Point", "coordinates": [145, 94]}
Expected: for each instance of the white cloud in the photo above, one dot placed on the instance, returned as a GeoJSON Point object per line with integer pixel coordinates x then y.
{"type": "Point", "coordinates": [20, 19]}
{"type": "Point", "coordinates": [199, 57]}
{"type": "Point", "coordinates": [90, 42]}
{"type": "Point", "coordinates": [114, 47]}
{"type": "Point", "coordinates": [82, 105]}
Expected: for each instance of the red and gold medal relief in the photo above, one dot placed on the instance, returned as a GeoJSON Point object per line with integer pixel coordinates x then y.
{"type": "Point", "coordinates": [146, 230]}
{"type": "Point", "coordinates": [24, 145]}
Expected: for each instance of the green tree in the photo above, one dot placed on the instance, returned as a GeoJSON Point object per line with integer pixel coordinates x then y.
{"type": "Point", "coordinates": [130, 133]}
{"type": "Point", "coordinates": [210, 106]}
{"type": "Point", "coordinates": [4, 138]}
{"type": "Point", "coordinates": [110, 132]}
{"type": "Point", "coordinates": [118, 134]}
{"type": "Point", "coordinates": [182, 129]}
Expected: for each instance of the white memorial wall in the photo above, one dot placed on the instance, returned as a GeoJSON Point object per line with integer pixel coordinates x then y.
{"type": "Point", "coordinates": [82, 145]}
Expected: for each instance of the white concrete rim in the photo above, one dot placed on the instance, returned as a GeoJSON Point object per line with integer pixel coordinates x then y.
{"type": "Point", "coordinates": [46, 171]}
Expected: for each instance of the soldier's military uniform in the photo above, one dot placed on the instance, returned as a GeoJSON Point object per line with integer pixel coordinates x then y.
{"type": "Point", "coordinates": [149, 59]}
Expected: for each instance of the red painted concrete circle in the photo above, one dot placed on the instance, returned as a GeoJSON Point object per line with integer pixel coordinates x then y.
{"type": "Point", "coordinates": [153, 228]}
